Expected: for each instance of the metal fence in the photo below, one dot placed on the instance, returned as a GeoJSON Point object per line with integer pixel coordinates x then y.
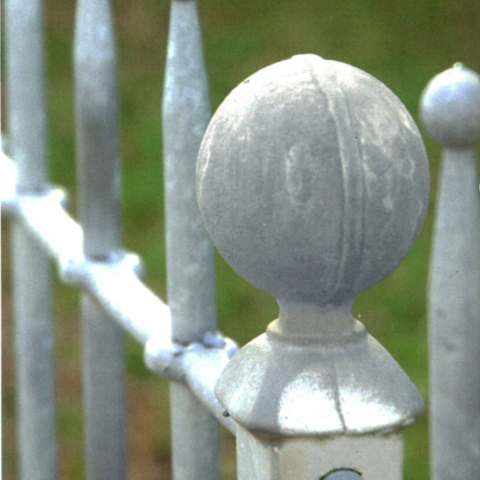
{"type": "Point", "coordinates": [313, 182]}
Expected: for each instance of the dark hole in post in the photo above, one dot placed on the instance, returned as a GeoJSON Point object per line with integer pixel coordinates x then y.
{"type": "Point", "coordinates": [342, 474]}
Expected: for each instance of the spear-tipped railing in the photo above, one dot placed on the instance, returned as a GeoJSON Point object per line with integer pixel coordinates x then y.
{"type": "Point", "coordinates": [450, 109]}
{"type": "Point", "coordinates": [32, 279]}
{"type": "Point", "coordinates": [98, 171]}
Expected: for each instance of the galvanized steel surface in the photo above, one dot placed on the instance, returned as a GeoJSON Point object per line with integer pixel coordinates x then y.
{"type": "Point", "coordinates": [32, 280]}
{"type": "Point", "coordinates": [316, 371]}
{"type": "Point", "coordinates": [98, 151]}
{"type": "Point", "coordinates": [313, 182]}
{"type": "Point", "coordinates": [190, 255]}
{"type": "Point", "coordinates": [25, 86]}
{"type": "Point", "coordinates": [98, 172]}
{"type": "Point", "coordinates": [450, 109]}
{"type": "Point", "coordinates": [324, 386]}
{"type": "Point", "coordinates": [186, 113]}
{"type": "Point", "coordinates": [104, 398]}
{"type": "Point", "coordinates": [34, 359]}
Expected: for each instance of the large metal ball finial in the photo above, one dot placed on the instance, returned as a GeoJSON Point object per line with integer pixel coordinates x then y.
{"type": "Point", "coordinates": [313, 180]}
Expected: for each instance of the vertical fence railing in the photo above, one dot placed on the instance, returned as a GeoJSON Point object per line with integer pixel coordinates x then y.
{"type": "Point", "coordinates": [99, 201]}
{"type": "Point", "coordinates": [450, 109]}
{"type": "Point", "coordinates": [190, 256]}
{"type": "Point", "coordinates": [33, 328]}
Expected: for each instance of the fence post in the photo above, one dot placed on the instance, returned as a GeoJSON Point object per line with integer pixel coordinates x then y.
{"type": "Point", "coordinates": [313, 182]}
{"type": "Point", "coordinates": [33, 329]}
{"type": "Point", "coordinates": [190, 260]}
{"type": "Point", "coordinates": [450, 110]}
{"type": "Point", "coordinates": [99, 191]}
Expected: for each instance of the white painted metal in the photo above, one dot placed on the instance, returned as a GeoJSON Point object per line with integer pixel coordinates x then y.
{"type": "Point", "coordinates": [333, 206]}
{"type": "Point", "coordinates": [450, 109]}
{"type": "Point", "coordinates": [198, 366]}
{"type": "Point", "coordinates": [190, 257]}
{"type": "Point", "coordinates": [263, 457]}
{"type": "Point", "coordinates": [115, 286]}
{"type": "Point", "coordinates": [99, 188]}
{"type": "Point", "coordinates": [33, 327]}
{"type": "Point", "coordinates": [313, 183]}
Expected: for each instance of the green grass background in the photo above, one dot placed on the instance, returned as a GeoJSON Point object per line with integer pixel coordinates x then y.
{"type": "Point", "coordinates": [402, 43]}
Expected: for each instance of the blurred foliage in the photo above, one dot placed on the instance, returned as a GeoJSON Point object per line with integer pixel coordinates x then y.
{"type": "Point", "coordinates": [402, 43]}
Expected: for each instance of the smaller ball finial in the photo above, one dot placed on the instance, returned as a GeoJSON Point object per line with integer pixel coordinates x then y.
{"type": "Point", "coordinates": [450, 107]}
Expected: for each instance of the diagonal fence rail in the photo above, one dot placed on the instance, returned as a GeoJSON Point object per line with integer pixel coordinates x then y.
{"type": "Point", "coordinates": [181, 341]}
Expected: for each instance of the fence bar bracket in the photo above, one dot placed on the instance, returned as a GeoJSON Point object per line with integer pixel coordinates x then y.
{"type": "Point", "coordinates": [198, 365]}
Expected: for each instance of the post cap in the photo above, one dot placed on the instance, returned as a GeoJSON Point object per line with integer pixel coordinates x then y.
{"type": "Point", "coordinates": [313, 180]}
{"type": "Point", "coordinates": [450, 107]}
